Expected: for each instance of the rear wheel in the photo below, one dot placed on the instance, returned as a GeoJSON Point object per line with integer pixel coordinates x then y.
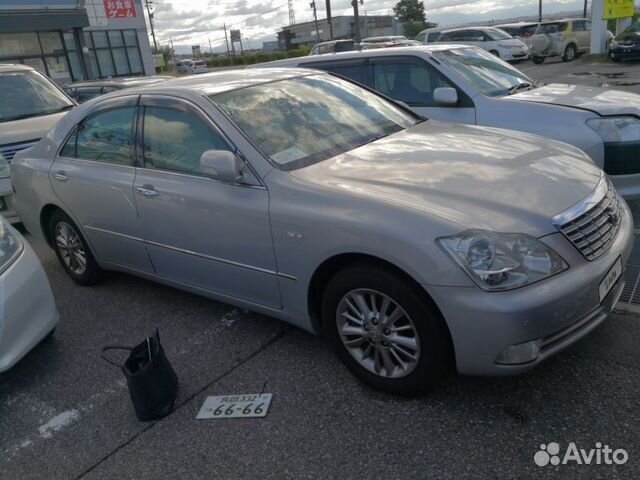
{"type": "Point", "coordinates": [385, 331]}
{"type": "Point", "coordinates": [72, 250]}
{"type": "Point", "coordinates": [495, 53]}
{"type": "Point", "coordinates": [537, 60]}
{"type": "Point", "coordinates": [569, 53]}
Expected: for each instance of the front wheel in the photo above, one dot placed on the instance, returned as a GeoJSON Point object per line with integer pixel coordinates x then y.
{"type": "Point", "coordinates": [386, 331]}
{"type": "Point", "coordinates": [72, 250]}
{"type": "Point", "coordinates": [569, 53]}
{"type": "Point", "coordinates": [495, 53]}
{"type": "Point", "coordinates": [537, 60]}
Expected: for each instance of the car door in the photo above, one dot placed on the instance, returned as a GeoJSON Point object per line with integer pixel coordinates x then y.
{"type": "Point", "coordinates": [200, 231]}
{"type": "Point", "coordinates": [412, 80]}
{"type": "Point", "coordinates": [93, 177]}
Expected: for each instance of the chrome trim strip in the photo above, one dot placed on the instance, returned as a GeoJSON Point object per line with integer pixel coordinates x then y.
{"type": "Point", "coordinates": [195, 254]}
{"type": "Point", "coordinates": [583, 206]}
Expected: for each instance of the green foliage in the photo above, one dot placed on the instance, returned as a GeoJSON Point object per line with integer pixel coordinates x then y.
{"type": "Point", "coordinates": [409, 11]}
{"type": "Point", "coordinates": [261, 57]}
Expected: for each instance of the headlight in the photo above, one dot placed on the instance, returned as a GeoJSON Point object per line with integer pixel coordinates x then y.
{"type": "Point", "coordinates": [502, 261]}
{"type": "Point", "coordinates": [10, 245]}
{"type": "Point", "coordinates": [4, 168]}
{"type": "Point", "coordinates": [616, 129]}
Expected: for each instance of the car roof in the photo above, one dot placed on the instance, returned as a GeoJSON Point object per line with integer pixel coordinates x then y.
{"type": "Point", "coordinates": [429, 48]}
{"type": "Point", "coordinates": [518, 24]}
{"type": "Point", "coordinates": [14, 67]}
{"type": "Point", "coordinates": [122, 82]}
{"type": "Point", "coordinates": [470, 28]}
{"type": "Point", "coordinates": [219, 82]}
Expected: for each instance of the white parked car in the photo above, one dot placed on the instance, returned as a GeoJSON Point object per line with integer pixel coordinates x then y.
{"type": "Point", "coordinates": [430, 35]}
{"type": "Point", "coordinates": [28, 312]}
{"type": "Point", "coordinates": [191, 66]}
{"type": "Point", "coordinates": [523, 31]}
{"type": "Point", "coordinates": [30, 105]}
{"type": "Point", "coordinates": [468, 85]}
{"type": "Point", "coordinates": [493, 40]}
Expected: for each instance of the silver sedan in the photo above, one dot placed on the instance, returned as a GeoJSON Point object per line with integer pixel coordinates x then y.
{"type": "Point", "coordinates": [416, 246]}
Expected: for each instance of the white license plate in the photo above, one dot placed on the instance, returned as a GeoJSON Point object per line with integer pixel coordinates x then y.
{"type": "Point", "coordinates": [236, 406]}
{"type": "Point", "coordinates": [610, 279]}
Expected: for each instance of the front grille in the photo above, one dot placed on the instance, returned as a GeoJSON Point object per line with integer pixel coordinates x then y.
{"type": "Point", "coordinates": [594, 231]}
{"type": "Point", "coordinates": [9, 151]}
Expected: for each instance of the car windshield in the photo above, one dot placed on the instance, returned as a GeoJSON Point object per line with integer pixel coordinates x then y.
{"type": "Point", "coordinates": [304, 120]}
{"type": "Point", "coordinates": [482, 70]}
{"type": "Point", "coordinates": [29, 94]}
{"type": "Point", "coordinates": [633, 28]}
{"type": "Point", "coordinates": [497, 34]}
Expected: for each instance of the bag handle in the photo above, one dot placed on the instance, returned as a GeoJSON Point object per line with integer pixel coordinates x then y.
{"type": "Point", "coordinates": [113, 347]}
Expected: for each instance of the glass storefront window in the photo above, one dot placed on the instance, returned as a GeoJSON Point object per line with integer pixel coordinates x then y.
{"type": "Point", "coordinates": [51, 42]}
{"type": "Point", "coordinates": [100, 39]}
{"type": "Point", "coordinates": [58, 69]}
{"type": "Point", "coordinates": [19, 44]}
{"type": "Point", "coordinates": [70, 41]}
{"type": "Point", "coordinates": [135, 60]}
{"type": "Point", "coordinates": [88, 40]}
{"type": "Point", "coordinates": [115, 38]}
{"type": "Point", "coordinates": [76, 67]}
{"type": "Point", "coordinates": [120, 58]}
{"type": "Point", "coordinates": [130, 38]}
{"type": "Point", "coordinates": [36, 63]}
{"type": "Point", "coordinates": [106, 64]}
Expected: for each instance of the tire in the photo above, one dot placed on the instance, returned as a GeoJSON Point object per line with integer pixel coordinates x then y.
{"type": "Point", "coordinates": [418, 319]}
{"type": "Point", "coordinates": [570, 53]}
{"type": "Point", "coordinates": [495, 53]}
{"type": "Point", "coordinates": [537, 60]}
{"type": "Point", "coordinates": [61, 226]}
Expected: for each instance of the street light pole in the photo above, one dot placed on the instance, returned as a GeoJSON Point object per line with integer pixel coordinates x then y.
{"type": "Point", "coordinates": [153, 33]}
{"type": "Point", "coordinates": [356, 21]}
{"type": "Point", "coordinates": [315, 16]}
{"type": "Point", "coordinates": [539, 10]}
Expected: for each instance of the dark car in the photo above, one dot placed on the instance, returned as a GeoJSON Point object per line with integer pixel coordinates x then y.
{"type": "Point", "coordinates": [626, 45]}
{"type": "Point", "coordinates": [83, 91]}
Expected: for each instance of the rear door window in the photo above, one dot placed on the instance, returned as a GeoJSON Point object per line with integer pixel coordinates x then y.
{"type": "Point", "coordinates": [409, 80]}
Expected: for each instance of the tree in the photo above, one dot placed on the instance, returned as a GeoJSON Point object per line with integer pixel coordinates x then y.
{"type": "Point", "coordinates": [411, 14]}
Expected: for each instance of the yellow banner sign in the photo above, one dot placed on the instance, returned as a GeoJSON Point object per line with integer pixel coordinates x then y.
{"type": "Point", "coordinates": [618, 9]}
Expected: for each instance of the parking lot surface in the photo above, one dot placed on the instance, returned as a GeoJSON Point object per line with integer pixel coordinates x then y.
{"type": "Point", "coordinates": [65, 413]}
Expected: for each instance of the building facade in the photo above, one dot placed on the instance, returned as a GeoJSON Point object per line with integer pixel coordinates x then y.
{"type": "Point", "coordinates": [71, 40]}
{"type": "Point", "coordinates": [304, 34]}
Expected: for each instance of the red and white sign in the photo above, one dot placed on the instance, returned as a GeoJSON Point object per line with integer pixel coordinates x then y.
{"type": "Point", "coordinates": [120, 8]}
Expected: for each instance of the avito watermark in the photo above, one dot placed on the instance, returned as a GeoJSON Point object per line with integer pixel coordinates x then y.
{"type": "Point", "coordinates": [601, 455]}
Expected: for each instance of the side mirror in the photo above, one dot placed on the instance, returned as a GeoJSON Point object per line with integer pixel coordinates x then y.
{"type": "Point", "coordinates": [222, 165]}
{"type": "Point", "coordinates": [445, 96]}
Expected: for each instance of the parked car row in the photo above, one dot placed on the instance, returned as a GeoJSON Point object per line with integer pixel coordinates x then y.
{"type": "Point", "coordinates": [559, 38]}
{"type": "Point", "coordinates": [334, 207]}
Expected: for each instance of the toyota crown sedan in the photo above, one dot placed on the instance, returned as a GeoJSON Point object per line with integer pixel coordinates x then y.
{"type": "Point", "coordinates": [468, 85]}
{"type": "Point", "coordinates": [415, 246]}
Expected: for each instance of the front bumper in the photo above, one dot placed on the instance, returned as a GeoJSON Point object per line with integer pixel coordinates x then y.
{"type": "Point", "coordinates": [624, 52]}
{"type": "Point", "coordinates": [27, 309]}
{"type": "Point", "coordinates": [509, 55]}
{"type": "Point", "coordinates": [557, 311]}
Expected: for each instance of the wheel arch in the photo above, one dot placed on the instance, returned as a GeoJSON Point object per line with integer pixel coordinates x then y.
{"type": "Point", "coordinates": [45, 216]}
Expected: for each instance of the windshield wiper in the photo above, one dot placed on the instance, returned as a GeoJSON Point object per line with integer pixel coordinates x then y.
{"type": "Point", "coordinates": [522, 86]}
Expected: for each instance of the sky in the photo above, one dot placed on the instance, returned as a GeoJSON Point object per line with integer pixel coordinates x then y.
{"type": "Point", "coordinates": [196, 22]}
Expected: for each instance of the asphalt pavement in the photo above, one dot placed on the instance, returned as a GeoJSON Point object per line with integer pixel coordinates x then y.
{"type": "Point", "coordinates": [65, 413]}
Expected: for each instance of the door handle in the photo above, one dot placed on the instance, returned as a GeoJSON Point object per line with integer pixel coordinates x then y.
{"type": "Point", "coordinates": [147, 191]}
{"type": "Point", "coordinates": [61, 176]}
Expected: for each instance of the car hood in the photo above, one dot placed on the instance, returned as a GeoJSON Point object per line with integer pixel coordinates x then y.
{"type": "Point", "coordinates": [464, 176]}
{"type": "Point", "coordinates": [631, 38]}
{"type": "Point", "coordinates": [595, 99]}
{"type": "Point", "coordinates": [27, 129]}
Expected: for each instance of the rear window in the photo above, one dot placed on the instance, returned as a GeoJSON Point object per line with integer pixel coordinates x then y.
{"type": "Point", "coordinates": [200, 64]}
{"type": "Point", "coordinates": [28, 94]}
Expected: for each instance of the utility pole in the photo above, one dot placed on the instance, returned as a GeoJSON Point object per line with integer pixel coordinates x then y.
{"type": "Point", "coordinates": [315, 16]}
{"type": "Point", "coordinates": [292, 13]}
{"type": "Point", "coordinates": [210, 49]}
{"type": "Point", "coordinates": [356, 21]}
{"type": "Point", "coordinates": [539, 10]}
{"type": "Point", "coordinates": [329, 19]}
{"type": "Point", "coordinates": [173, 53]}
{"type": "Point", "coordinates": [585, 9]}
{"type": "Point", "coordinates": [226, 40]}
{"type": "Point", "coordinates": [153, 33]}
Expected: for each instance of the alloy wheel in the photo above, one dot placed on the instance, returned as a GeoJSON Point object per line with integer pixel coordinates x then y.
{"type": "Point", "coordinates": [378, 333]}
{"type": "Point", "coordinates": [70, 247]}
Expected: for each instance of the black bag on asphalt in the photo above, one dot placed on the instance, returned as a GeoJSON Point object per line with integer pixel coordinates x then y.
{"type": "Point", "coordinates": [152, 382]}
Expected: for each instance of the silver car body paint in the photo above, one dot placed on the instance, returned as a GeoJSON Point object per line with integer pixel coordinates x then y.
{"type": "Point", "coordinates": [389, 200]}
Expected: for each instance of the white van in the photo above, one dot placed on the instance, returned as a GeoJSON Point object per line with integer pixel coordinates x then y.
{"type": "Point", "coordinates": [31, 104]}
